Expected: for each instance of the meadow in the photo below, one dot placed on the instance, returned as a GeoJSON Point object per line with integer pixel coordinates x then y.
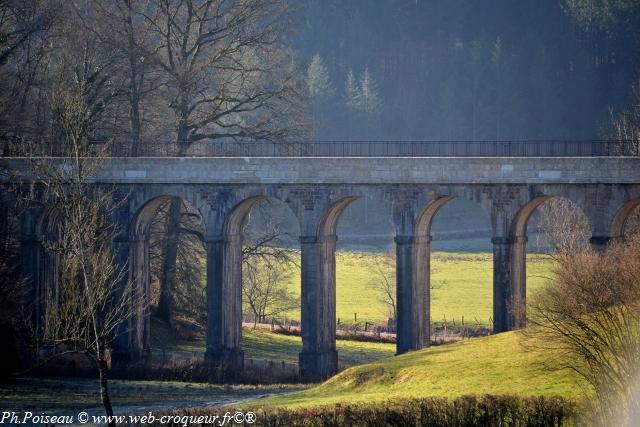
{"type": "Point", "coordinates": [264, 345]}
{"type": "Point", "coordinates": [461, 285]}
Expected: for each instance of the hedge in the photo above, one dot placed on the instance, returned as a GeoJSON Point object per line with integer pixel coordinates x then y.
{"type": "Point", "coordinates": [487, 410]}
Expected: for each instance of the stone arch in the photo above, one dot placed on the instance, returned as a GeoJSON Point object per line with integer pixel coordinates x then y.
{"type": "Point", "coordinates": [47, 222]}
{"type": "Point", "coordinates": [144, 215]}
{"type": "Point", "coordinates": [141, 220]}
{"type": "Point", "coordinates": [224, 285]}
{"type": "Point", "coordinates": [327, 237]}
{"type": "Point", "coordinates": [139, 233]}
{"type": "Point", "coordinates": [235, 220]}
{"type": "Point", "coordinates": [521, 219]}
{"type": "Point", "coordinates": [224, 288]}
{"type": "Point", "coordinates": [425, 219]}
{"type": "Point", "coordinates": [618, 225]}
{"type": "Point", "coordinates": [329, 221]}
{"type": "Point", "coordinates": [520, 222]}
{"type": "Point", "coordinates": [517, 240]}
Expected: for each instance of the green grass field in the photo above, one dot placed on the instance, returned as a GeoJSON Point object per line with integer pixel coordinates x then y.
{"type": "Point", "coordinates": [258, 344]}
{"type": "Point", "coordinates": [462, 286]}
{"type": "Point", "coordinates": [498, 364]}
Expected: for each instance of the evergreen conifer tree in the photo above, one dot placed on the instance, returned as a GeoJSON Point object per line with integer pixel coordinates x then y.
{"type": "Point", "coordinates": [318, 82]}
{"type": "Point", "coordinates": [370, 101]}
{"type": "Point", "coordinates": [351, 92]}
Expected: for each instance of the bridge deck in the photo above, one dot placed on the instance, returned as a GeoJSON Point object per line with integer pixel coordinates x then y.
{"type": "Point", "coordinates": [360, 170]}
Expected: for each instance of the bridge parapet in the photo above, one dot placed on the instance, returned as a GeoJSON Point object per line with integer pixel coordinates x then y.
{"type": "Point", "coordinates": [360, 170]}
{"type": "Point", "coordinates": [364, 148]}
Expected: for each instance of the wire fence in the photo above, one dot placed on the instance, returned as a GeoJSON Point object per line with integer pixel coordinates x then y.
{"type": "Point", "coordinates": [391, 148]}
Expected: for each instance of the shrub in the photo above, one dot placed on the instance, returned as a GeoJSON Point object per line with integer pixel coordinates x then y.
{"type": "Point", "coordinates": [464, 411]}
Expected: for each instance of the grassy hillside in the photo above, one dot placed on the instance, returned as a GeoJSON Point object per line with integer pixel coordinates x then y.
{"type": "Point", "coordinates": [497, 364]}
{"type": "Point", "coordinates": [462, 284]}
{"type": "Point", "coordinates": [259, 344]}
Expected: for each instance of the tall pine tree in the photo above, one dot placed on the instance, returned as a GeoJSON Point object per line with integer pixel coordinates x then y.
{"type": "Point", "coordinates": [318, 82]}
{"type": "Point", "coordinates": [370, 101]}
{"type": "Point", "coordinates": [321, 92]}
{"type": "Point", "coordinates": [351, 92]}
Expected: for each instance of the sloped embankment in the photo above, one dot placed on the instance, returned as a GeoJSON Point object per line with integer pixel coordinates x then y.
{"type": "Point", "coordinates": [496, 365]}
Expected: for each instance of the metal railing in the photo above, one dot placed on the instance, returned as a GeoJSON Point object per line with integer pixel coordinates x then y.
{"type": "Point", "coordinates": [399, 148]}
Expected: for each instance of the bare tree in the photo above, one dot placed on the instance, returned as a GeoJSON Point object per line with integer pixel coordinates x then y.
{"type": "Point", "coordinates": [266, 264]}
{"type": "Point", "coordinates": [25, 27]}
{"type": "Point", "coordinates": [229, 71]}
{"type": "Point", "coordinates": [267, 247]}
{"type": "Point", "coordinates": [626, 125]}
{"type": "Point", "coordinates": [59, 55]}
{"type": "Point", "coordinates": [187, 298]}
{"type": "Point", "coordinates": [229, 75]}
{"type": "Point", "coordinates": [590, 318]}
{"type": "Point", "coordinates": [17, 23]}
{"type": "Point", "coordinates": [384, 281]}
{"type": "Point", "coordinates": [267, 235]}
{"type": "Point", "coordinates": [142, 115]}
{"type": "Point", "coordinates": [562, 227]}
{"type": "Point", "coordinates": [94, 296]}
{"type": "Point", "coordinates": [265, 291]}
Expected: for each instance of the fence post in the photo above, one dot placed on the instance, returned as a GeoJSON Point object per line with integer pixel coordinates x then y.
{"type": "Point", "coordinates": [445, 328]}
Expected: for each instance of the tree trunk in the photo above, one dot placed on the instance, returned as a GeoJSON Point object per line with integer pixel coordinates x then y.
{"type": "Point", "coordinates": [168, 282]}
{"type": "Point", "coordinates": [173, 229]}
{"type": "Point", "coordinates": [104, 388]}
{"type": "Point", "coordinates": [136, 77]}
{"type": "Point", "coordinates": [134, 119]}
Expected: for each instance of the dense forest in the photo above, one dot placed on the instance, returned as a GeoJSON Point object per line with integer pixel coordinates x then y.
{"type": "Point", "coordinates": [322, 69]}
{"type": "Point", "coordinates": [460, 69]}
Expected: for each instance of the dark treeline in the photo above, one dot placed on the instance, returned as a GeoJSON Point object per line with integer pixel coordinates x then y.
{"type": "Point", "coordinates": [137, 71]}
{"type": "Point", "coordinates": [175, 72]}
{"type": "Point", "coordinates": [460, 69]}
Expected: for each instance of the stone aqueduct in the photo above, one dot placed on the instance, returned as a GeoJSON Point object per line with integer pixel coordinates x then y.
{"type": "Point", "coordinates": [317, 190]}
